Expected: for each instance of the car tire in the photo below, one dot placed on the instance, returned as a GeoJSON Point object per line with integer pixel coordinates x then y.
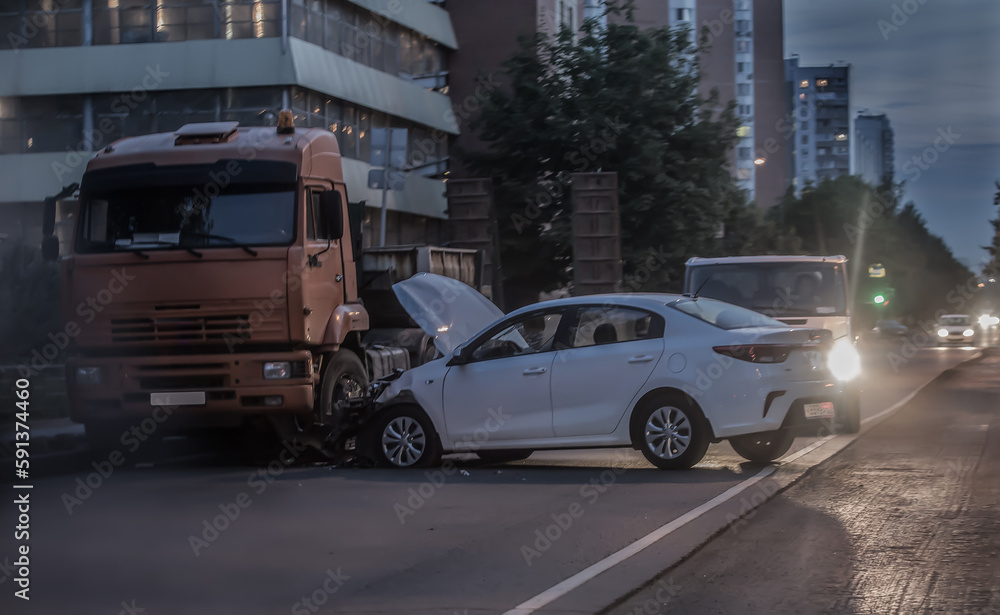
{"type": "Point", "coordinates": [671, 432]}
{"type": "Point", "coordinates": [404, 437]}
{"type": "Point", "coordinates": [763, 447]}
{"type": "Point", "coordinates": [504, 456]}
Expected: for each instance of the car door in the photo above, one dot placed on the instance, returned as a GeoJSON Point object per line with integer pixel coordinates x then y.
{"type": "Point", "coordinates": [612, 352]}
{"type": "Point", "coordinates": [503, 392]}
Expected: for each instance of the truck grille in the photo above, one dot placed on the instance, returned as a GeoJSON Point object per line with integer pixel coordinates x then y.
{"type": "Point", "coordinates": [179, 328]}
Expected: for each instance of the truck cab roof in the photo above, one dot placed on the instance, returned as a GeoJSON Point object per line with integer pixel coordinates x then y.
{"type": "Point", "coordinates": [697, 260]}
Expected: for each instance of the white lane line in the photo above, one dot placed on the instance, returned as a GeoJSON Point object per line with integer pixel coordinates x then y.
{"type": "Point", "coordinates": [557, 591]}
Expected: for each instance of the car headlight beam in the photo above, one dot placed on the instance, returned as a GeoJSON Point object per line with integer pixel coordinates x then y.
{"type": "Point", "coordinates": [942, 333]}
{"type": "Point", "coordinates": [844, 361]}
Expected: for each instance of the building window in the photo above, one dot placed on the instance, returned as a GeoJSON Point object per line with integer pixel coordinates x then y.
{"type": "Point", "coordinates": [841, 136]}
{"type": "Point", "coordinates": [822, 83]}
{"type": "Point", "coordinates": [34, 23]}
{"type": "Point", "coordinates": [567, 16]}
{"type": "Point", "coordinates": [742, 27]}
{"type": "Point", "coordinates": [743, 46]}
{"type": "Point", "coordinates": [741, 67]}
{"type": "Point", "coordinates": [743, 132]}
{"type": "Point", "coordinates": [744, 173]}
{"type": "Point", "coordinates": [743, 89]}
{"type": "Point", "coordinates": [804, 125]}
{"type": "Point", "coordinates": [744, 153]}
{"type": "Point", "coordinates": [805, 139]}
{"type": "Point", "coordinates": [683, 14]}
{"type": "Point", "coordinates": [804, 83]}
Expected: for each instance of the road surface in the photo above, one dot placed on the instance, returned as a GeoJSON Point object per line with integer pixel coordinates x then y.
{"type": "Point", "coordinates": [199, 534]}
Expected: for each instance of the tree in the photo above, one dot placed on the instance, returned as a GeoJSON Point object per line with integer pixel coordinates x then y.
{"type": "Point", "coordinates": [994, 247]}
{"type": "Point", "coordinates": [609, 98]}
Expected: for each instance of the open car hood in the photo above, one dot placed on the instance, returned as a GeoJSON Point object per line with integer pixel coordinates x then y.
{"type": "Point", "coordinates": [449, 311]}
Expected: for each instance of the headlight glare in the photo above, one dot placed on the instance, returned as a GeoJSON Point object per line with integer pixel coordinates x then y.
{"type": "Point", "coordinates": [844, 361]}
{"type": "Point", "coordinates": [276, 370]}
{"type": "Point", "coordinates": [942, 332]}
{"type": "Point", "coordinates": [968, 333]}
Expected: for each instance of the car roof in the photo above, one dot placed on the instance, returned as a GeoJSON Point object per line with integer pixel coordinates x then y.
{"type": "Point", "coordinates": [697, 260]}
{"type": "Point", "coordinates": [650, 301]}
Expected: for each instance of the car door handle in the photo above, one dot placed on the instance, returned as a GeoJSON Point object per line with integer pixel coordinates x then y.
{"type": "Point", "coordinates": [641, 358]}
{"type": "Point", "coordinates": [534, 371]}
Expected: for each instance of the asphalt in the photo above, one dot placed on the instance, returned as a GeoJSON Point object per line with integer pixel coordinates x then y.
{"type": "Point", "coordinates": [198, 534]}
{"type": "Point", "coordinates": [904, 520]}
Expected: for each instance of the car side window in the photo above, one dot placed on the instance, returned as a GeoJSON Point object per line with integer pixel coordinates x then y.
{"type": "Point", "coordinates": [530, 334]}
{"type": "Point", "coordinates": [600, 325]}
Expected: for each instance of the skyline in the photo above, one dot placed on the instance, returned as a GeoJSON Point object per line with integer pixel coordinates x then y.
{"type": "Point", "coordinates": [934, 69]}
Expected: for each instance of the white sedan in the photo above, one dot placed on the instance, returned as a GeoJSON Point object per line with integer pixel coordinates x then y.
{"type": "Point", "coordinates": [665, 374]}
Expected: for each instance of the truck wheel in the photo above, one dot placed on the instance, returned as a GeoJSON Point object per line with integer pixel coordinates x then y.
{"type": "Point", "coordinates": [849, 421]}
{"type": "Point", "coordinates": [516, 454]}
{"type": "Point", "coordinates": [405, 438]}
{"type": "Point", "coordinates": [763, 447]}
{"type": "Point", "coordinates": [671, 432]}
{"type": "Point", "coordinates": [344, 377]}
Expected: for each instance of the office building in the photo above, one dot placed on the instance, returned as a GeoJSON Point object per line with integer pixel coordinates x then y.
{"type": "Point", "coordinates": [79, 74]}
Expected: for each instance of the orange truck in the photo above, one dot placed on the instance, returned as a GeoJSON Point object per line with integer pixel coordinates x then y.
{"type": "Point", "coordinates": [215, 276]}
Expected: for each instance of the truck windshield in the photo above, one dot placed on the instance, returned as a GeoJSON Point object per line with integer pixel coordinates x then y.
{"type": "Point", "coordinates": [185, 217]}
{"type": "Point", "coordinates": [775, 289]}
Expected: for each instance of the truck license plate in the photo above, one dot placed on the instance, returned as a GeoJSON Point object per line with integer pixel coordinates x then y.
{"type": "Point", "coordinates": [177, 398]}
{"type": "Point", "coordinates": [822, 410]}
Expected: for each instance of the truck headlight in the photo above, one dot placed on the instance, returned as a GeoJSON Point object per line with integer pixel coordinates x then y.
{"type": "Point", "coordinates": [844, 361]}
{"type": "Point", "coordinates": [942, 333]}
{"type": "Point", "coordinates": [968, 333]}
{"type": "Point", "coordinates": [276, 370]}
{"type": "Point", "coordinates": [89, 375]}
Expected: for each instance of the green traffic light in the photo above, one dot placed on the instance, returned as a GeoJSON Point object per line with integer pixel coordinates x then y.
{"type": "Point", "coordinates": [879, 299]}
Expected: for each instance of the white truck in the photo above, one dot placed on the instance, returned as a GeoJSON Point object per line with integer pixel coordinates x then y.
{"type": "Point", "coordinates": [802, 291]}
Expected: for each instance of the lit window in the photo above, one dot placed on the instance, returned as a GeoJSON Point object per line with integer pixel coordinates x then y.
{"type": "Point", "coordinates": [802, 96]}
{"type": "Point", "coordinates": [841, 136]}
{"type": "Point", "coordinates": [743, 131]}
{"type": "Point", "coordinates": [822, 83]}
{"type": "Point", "coordinates": [804, 83]}
{"type": "Point", "coordinates": [744, 174]}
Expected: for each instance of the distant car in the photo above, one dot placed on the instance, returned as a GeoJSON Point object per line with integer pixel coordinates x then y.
{"type": "Point", "coordinates": [955, 329]}
{"type": "Point", "coordinates": [665, 374]}
{"type": "Point", "coordinates": [890, 328]}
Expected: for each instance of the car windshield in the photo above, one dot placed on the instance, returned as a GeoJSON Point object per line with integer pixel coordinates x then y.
{"type": "Point", "coordinates": [775, 289]}
{"type": "Point", "coordinates": [723, 315]}
{"type": "Point", "coordinates": [186, 217]}
{"type": "Point", "coordinates": [955, 321]}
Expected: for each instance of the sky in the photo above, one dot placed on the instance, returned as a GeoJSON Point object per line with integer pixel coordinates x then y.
{"type": "Point", "coordinates": [933, 67]}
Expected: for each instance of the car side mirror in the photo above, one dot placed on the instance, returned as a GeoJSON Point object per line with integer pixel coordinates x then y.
{"type": "Point", "coordinates": [333, 213]}
{"type": "Point", "coordinates": [50, 247]}
{"type": "Point", "coordinates": [462, 356]}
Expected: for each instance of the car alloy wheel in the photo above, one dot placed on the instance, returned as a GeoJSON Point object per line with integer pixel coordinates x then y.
{"type": "Point", "coordinates": [668, 432]}
{"type": "Point", "coordinates": [404, 441]}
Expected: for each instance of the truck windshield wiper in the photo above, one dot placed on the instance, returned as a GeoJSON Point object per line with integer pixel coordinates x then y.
{"type": "Point", "coordinates": [165, 243]}
{"type": "Point", "coordinates": [239, 245]}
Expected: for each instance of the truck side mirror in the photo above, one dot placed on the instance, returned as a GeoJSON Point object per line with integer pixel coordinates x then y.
{"type": "Point", "coordinates": [50, 247]}
{"type": "Point", "coordinates": [333, 213]}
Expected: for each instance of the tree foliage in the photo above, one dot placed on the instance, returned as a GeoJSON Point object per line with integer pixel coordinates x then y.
{"type": "Point", "coordinates": [613, 98]}
{"type": "Point", "coordinates": [847, 216]}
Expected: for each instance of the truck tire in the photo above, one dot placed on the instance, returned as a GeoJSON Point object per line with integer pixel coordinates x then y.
{"type": "Point", "coordinates": [763, 447]}
{"type": "Point", "coordinates": [344, 376]}
{"type": "Point", "coordinates": [849, 421]}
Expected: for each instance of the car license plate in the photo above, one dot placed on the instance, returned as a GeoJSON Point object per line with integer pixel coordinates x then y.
{"type": "Point", "coordinates": [822, 410]}
{"type": "Point", "coordinates": [178, 398]}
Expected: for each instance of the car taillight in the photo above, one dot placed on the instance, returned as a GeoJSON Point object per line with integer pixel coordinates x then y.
{"type": "Point", "coordinates": [756, 353]}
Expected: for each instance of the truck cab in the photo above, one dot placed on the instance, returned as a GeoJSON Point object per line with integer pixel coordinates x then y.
{"type": "Point", "coordinates": [213, 278]}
